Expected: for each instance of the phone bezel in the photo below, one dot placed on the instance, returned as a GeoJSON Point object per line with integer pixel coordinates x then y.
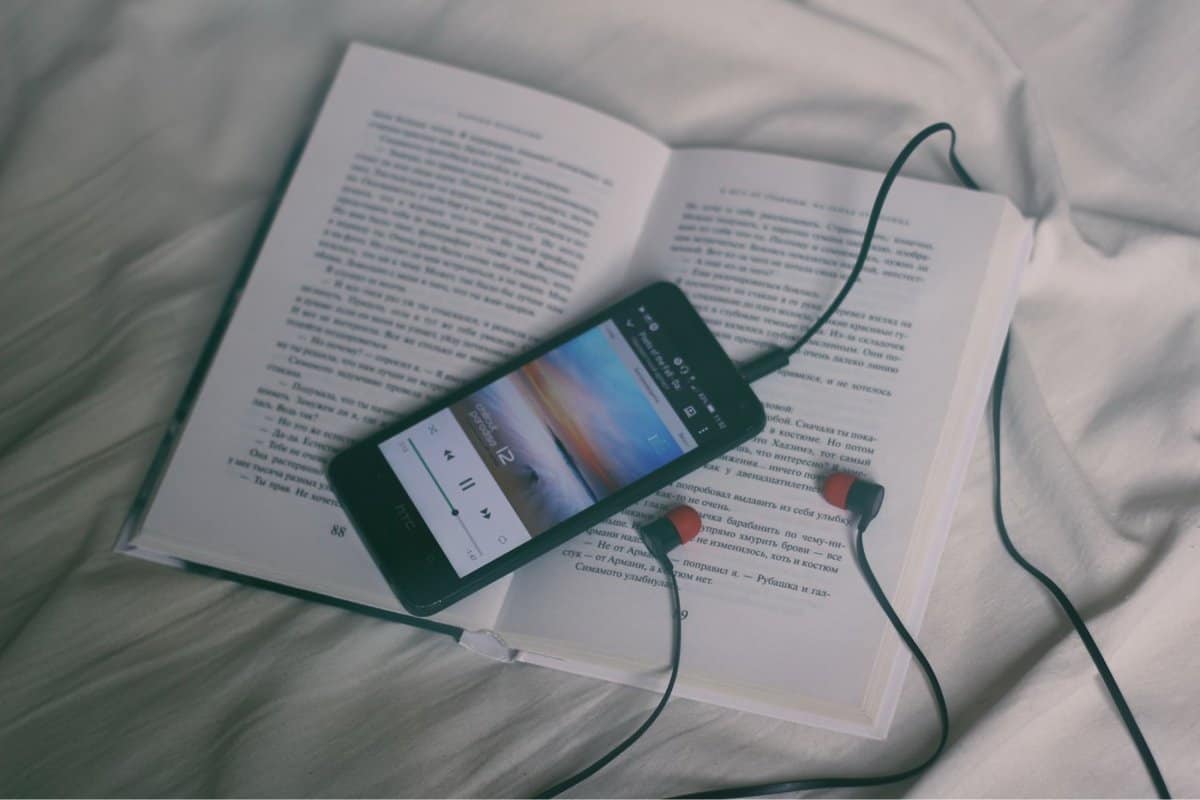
{"type": "Point", "coordinates": [410, 558]}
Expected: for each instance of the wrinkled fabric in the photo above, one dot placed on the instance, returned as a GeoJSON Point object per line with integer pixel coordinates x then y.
{"type": "Point", "coordinates": [139, 143]}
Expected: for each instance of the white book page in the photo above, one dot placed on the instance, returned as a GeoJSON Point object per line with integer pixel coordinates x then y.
{"type": "Point", "coordinates": [777, 611]}
{"type": "Point", "coordinates": [438, 222]}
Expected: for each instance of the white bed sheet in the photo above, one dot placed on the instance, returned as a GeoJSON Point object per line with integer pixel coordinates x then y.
{"type": "Point", "coordinates": [138, 145]}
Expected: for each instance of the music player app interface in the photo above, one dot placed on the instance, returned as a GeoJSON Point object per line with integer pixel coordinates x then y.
{"type": "Point", "coordinates": [552, 438]}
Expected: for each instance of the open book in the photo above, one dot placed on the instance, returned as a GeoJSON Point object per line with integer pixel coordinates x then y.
{"type": "Point", "coordinates": [440, 221]}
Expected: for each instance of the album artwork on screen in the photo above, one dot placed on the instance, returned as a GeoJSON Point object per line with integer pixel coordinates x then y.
{"type": "Point", "coordinates": [536, 447]}
{"type": "Point", "coordinates": [440, 222]}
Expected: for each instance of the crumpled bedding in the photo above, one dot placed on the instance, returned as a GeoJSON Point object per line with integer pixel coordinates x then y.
{"type": "Point", "coordinates": [139, 143]}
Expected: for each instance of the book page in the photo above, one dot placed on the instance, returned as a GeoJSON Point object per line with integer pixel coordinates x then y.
{"type": "Point", "coordinates": [775, 604]}
{"type": "Point", "coordinates": [438, 223]}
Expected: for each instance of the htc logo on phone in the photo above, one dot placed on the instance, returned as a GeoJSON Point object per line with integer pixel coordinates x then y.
{"type": "Point", "coordinates": [404, 514]}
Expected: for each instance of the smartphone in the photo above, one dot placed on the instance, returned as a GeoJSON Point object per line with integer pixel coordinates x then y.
{"type": "Point", "coordinates": [518, 461]}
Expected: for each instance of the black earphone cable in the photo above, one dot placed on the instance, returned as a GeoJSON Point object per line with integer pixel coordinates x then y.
{"type": "Point", "coordinates": [777, 358]}
{"type": "Point", "coordinates": [1110, 682]}
{"type": "Point", "coordinates": [805, 784]}
{"type": "Point", "coordinates": [1081, 628]}
{"type": "Point", "coordinates": [668, 570]}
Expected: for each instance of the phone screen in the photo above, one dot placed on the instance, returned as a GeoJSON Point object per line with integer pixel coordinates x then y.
{"type": "Point", "coordinates": [553, 437]}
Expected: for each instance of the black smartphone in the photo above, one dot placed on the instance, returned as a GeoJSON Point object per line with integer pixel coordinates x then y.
{"type": "Point", "coordinates": [513, 464]}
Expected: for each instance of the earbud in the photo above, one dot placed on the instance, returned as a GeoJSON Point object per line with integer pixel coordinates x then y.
{"type": "Point", "coordinates": [678, 526]}
{"type": "Point", "coordinates": [857, 495]}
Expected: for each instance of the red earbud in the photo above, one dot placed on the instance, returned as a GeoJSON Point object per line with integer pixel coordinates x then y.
{"type": "Point", "coordinates": [859, 495]}
{"type": "Point", "coordinates": [837, 487]}
{"type": "Point", "coordinates": [678, 526]}
{"type": "Point", "coordinates": [687, 522]}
